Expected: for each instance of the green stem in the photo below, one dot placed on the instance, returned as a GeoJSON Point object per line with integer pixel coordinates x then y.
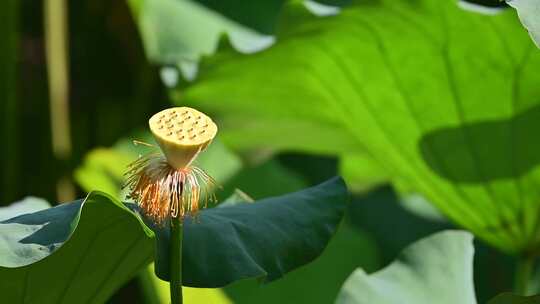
{"type": "Point", "coordinates": [524, 271]}
{"type": "Point", "coordinates": [176, 261]}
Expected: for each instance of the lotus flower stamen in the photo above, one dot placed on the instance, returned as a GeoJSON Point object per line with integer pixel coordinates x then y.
{"type": "Point", "coordinates": [166, 184]}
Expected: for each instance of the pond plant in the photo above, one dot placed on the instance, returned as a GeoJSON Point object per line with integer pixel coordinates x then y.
{"type": "Point", "coordinates": [167, 188]}
{"type": "Point", "coordinates": [429, 109]}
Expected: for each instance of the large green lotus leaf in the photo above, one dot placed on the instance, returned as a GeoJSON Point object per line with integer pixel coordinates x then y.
{"type": "Point", "coordinates": [265, 239]}
{"type": "Point", "coordinates": [508, 298]}
{"type": "Point", "coordinates": [81, 252]}
{"type": "Point", "coordinates": [324, 276]}
{"type": "Point", "coordinates": [323, 272]}
{"type": "Point", "coordinates": [436, 269]}
{"type": "Point", "coordinates": [445, 99]}
{"type": "Point", "coordinates": [264, 180]}
{"type": "Point", "coordinates": [529, 14]}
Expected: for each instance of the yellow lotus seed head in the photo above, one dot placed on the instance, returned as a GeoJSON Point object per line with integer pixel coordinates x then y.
{"type": "Point", "coordinates": [182, 133]}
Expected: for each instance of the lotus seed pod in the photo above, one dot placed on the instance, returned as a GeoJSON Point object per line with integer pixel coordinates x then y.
{"type": "Point", "coordinates": [181, 133]}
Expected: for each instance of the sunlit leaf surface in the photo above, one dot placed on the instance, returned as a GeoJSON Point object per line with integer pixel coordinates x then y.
{"type": "Point", "coordinates": [444, 99]}
{"type": "Point", "coordinates": [437, 269]}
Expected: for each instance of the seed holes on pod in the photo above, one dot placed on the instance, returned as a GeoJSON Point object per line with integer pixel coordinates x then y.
{"type": "Point", "coordinates": [161, 127]}
{"type": "Point", "coordinates": [169, 134]}
{"type": "Point", "coordinates": [192, 137]}
{"type": "Point", "coordinates": [182, 137]}
{"type": "Point", "coordinates": [191, 129]}
{"type": "Point", "coordinates": [202, 131]}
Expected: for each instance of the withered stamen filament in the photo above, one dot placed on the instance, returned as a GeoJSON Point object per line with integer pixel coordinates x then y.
{"type": "Point", "coordinates": [163, 191]}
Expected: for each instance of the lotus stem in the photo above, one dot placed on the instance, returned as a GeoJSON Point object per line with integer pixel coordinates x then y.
{"type": "Point", "coordinates": [176, 261]}
{"type": "Point", "coordinates": [524, 272]}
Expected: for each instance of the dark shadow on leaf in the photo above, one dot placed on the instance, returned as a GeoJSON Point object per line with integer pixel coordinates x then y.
{"type": "Point", "coordinates": [485, 151]}
{"type": "Point", "coordinates": [55, 224]}
{"type": "Point", "coordinates": [380, 213]}
{"type": "Point", "coordinates": [509, 298]}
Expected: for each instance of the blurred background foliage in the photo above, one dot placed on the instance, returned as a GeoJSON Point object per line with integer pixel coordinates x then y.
{"type": "Point", "coordinates": [129, 59]}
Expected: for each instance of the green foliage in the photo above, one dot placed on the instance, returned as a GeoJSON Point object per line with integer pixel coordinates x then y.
{"type": "Point", "coordinates": [529, 13]}
{"type": "Point", "coordinates": [444, 99]}
{"type": "Point", "coordinates": [159, 22]}
{"type": "Point", "coordinates": [248, 233]}
{"type": "Point", "coordinates": [392, 227]}
{"type": "Point", "coordinates": [321, 280]}
{"type": "Point", "coordinates": [248, 25]}
{"type": "Point", "coordinates": [435, 269]}
{"type": "Point", "coordinates": [99, 243]}
{"type": "Point", "coordinates": [400, 227]}
{"type": "Point", "coordinates": [269, 178]}
{"type": "Point", "coordinates": [442, 102]}
{"type": "Point", "coordinates": [508, 298]}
